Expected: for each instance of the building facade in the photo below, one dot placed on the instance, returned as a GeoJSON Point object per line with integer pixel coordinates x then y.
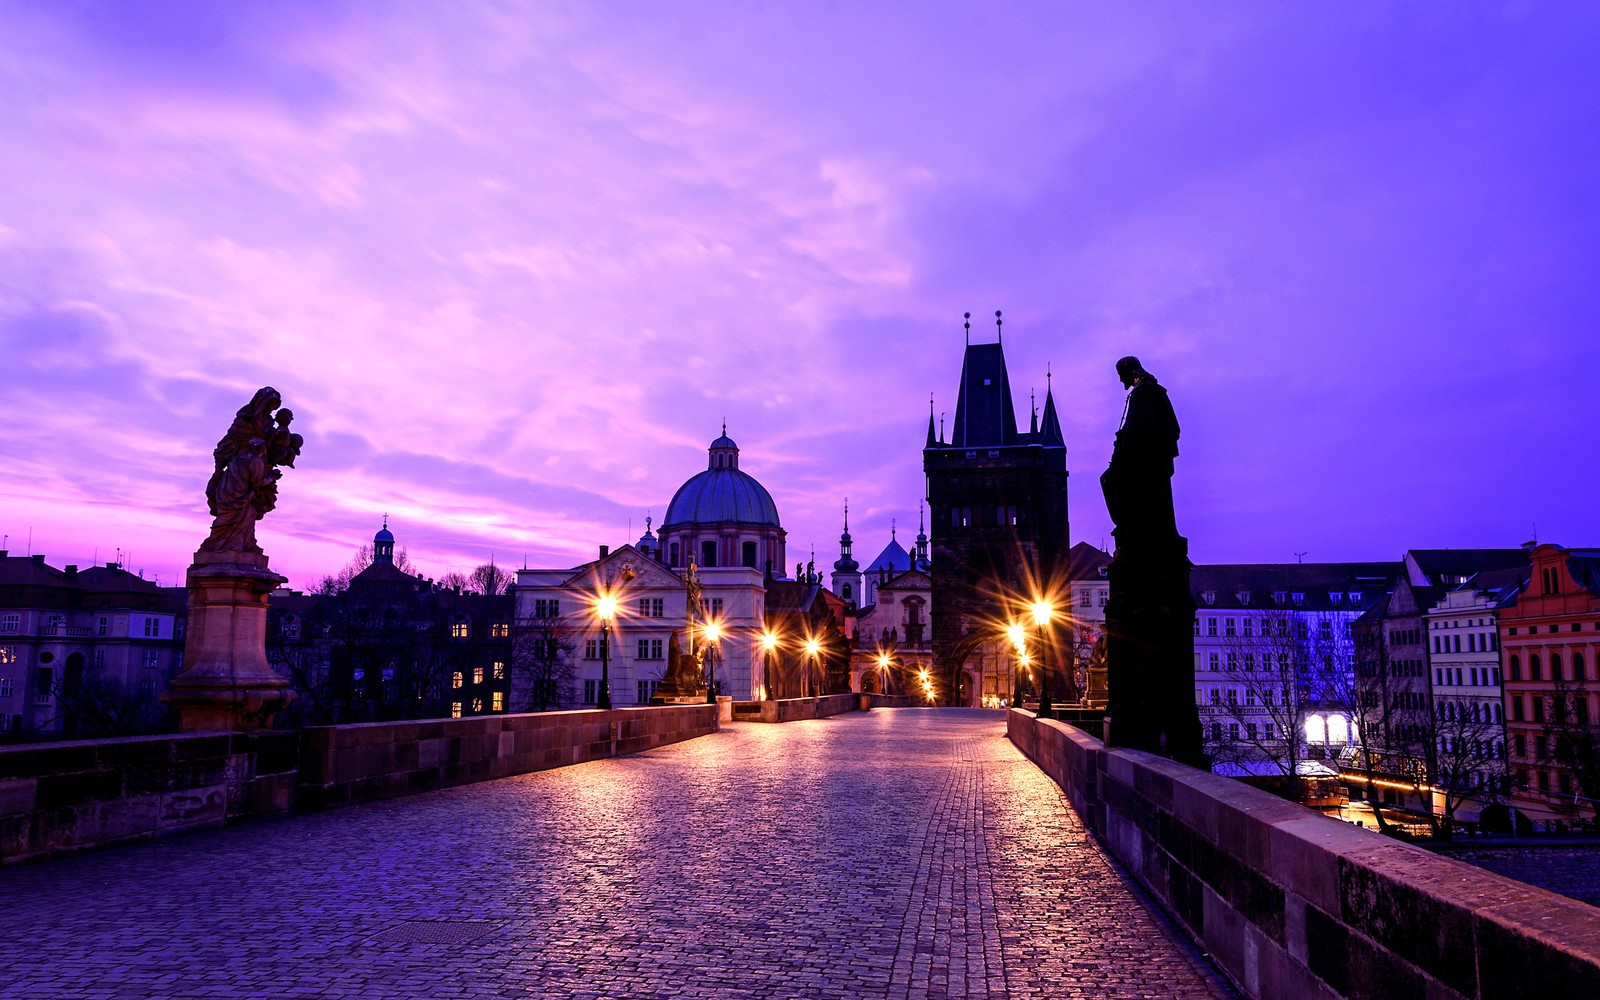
{"type": "Point", "coordinates": [1550, 651]}
{"type": "Point", "coordinates": [84, 653]}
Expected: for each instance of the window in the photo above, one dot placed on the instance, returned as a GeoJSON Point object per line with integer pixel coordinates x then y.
{"type": "Point", "coordinates": [459, 630]}
{"type": "Point", "coordinates": [151, 659]}
{"type": "Point", "coordinates": [1233, 660]}
{"type": "Point", "coordinates": [289, 628]}
{"type": "Point", "coordinates": [152, 628]}
{"type": "Point", "coordinates": [1233, 730]}
{"type": "Point", "coordinates": [1105, 595]}
{"type": "Point", "coordinates": [455, 710]}
{"type": "Point", "coordinates": [1325, 629]}
{"type": "Point", "coordinates": [1216, 696]}
{"type": "Point", "coordinates": [103, 626]}
{"type": "Point", "coordinates": [649, 649]}
{"type": "Point", "coordinates": [672, 554]}
{"type": "Point", "coordinates": [1578, 667]}
{"type": "Point", "coordinates": [1298, 598]}
{"type": "Point", "coordinates": [1516, 667]}
{"type": "Point", "coordinates": [1247, 627]}
{"type": "Point", "coordinates": [546, 608]}
{"type": "Point", "coordinates": [1250, 730]}
{"type": "Point", "coordinates": [747, 553]}
{"type": "Point", "coordinates": [651, 607]}
{"type": "Point", "coordinates": [708, 553]}
{"type": "Point", "coordinates": [1083, 602]}
{"type": "Point", "coordinates": [1227, 626]}
{"type": "Point", "coordinates": [1211, 625]}
{"type": "Point", "coordinates": [477, 675]}
{"type": "Point", "coordinates": [591, 649]}
{"type": "Point", "coordinates": [499, 670]}
{"type": "Point", "coordinates": [712, 609]}
{"type": "Point", "coordinates": [456, 680]}
{"type": "Point", "coordinates": [5, 687]}
{"type": "Point", "coordinates": [99, 658]}
{"type": "Point", "coordinates": [1534, 669]}
{"type": "Point", "coordinates": [647, 690]}
{"type": "Point", "coordinates": [500, 630]}
{"type": "Point", "coordinates": [499, 702]}
{"type": "Point", "coordinates": [591, 692]}
{"type": "Point", "coordinates": [10, 623]}
{"type": "Point", "coordinates": [1215, 660]}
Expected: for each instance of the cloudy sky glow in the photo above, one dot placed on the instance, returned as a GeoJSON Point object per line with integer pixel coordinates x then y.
{"type": "Point", "coordinates": [511, 265]}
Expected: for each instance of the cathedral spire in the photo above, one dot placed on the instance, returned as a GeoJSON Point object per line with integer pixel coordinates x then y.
{"type": "Point", "coordinates": [932, 441]}
{"type": "Point", "coordinates": [1050, 430]}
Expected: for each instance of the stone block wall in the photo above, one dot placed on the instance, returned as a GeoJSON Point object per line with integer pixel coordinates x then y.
{"type": "Point", "coordinates": [896, 701]}
{"type": "Point", "coordinates": [1291, 903]}
{"type": "Point", "coordinates": [795, 709]}
{"type": "Point", "coordinates": [378, 760]}
{"type": "Point", "coordinates": [62, 797]}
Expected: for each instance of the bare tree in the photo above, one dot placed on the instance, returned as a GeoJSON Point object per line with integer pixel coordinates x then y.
{"type": "Point", "coordinates": [97, 706]}
{"type": "Point", "coordinates": [488, 580]}
{"type": "Point", "coordinates": [1256, 719]}
{"type": "Point", "coordinates": [1469, 758]}
{"type": "Point", "coordinates": [543, 663]}
{"type": "Point", "coordinates": [1574, 735]}
{"type": "Point", "coordinates": [338, 582]}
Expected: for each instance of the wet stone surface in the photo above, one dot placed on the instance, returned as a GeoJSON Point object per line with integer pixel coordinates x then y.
{"type": "Point", "coordinates": [905, 854]}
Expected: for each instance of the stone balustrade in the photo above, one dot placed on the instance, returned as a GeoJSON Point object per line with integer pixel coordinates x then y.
{"type": "Point", "coordinates": [56, 798]}
{"type": "Point", "coordinates": [1291, 903]}
{"type": "Point", "coordinates": [795, 709]}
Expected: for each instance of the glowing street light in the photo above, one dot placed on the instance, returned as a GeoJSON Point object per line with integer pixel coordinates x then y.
{"type": "Point", "coordinates": [813, 653]}
{"type": "Point", "coordinates": [883, 672]}
{"type": "Point", "coordinates": [605, 609]}
{"type": "Point", "coordinates": [712, 633]}
{"type": "Point", "coordinates": [1043, 612]}
{"type": "Point", "coordinates": [769, 645]}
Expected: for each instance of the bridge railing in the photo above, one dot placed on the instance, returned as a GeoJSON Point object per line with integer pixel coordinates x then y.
{"type": "Point", "coordinates": [1291, 903]}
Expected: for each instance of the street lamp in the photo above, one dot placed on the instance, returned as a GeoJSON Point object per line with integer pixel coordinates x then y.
{"type": "Point", "coordinates": [1019, 643]}
{"type": "Point", "coordinates": [927, 684]}
{"type": "Point", "coordinates": [813, 652]}
{"type": "Point", "coordinates": [713, 635]}
{"type": "Point", "coordinates": [769, 645]}
{"type": "Point", "coordinates": [883, 673]}
{"type": "Point", "coordinates": [605, 609]}
{"type": "Point", "coordinates": [1043, 611]}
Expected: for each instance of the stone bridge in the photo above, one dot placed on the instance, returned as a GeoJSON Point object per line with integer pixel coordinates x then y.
{"type": "Point", "coordinates": [639, 853]}
{"type": "Point", "coordinates": [905, 854]}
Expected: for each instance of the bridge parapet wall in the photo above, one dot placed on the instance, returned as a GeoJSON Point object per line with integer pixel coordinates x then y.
{"type": "Point", "coordinates": [795, 709]}
{"type": "Point", "coordinates": [1291, 903]}
{"type": "Point", "coordinates": [379, 760]}
{"type": "Point", "coordinates": [61, 797]}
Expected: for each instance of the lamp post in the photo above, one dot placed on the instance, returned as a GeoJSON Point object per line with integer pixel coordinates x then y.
{"type": "Point", "coordinates": [606, 609]}
{"type": "Point", "coordinates": [713, 635]}
{"type": "Point", "coordinates": [1043, 611]}
{"type": "Point", "coordinates": [883, 673]}
{"type": "Point", "coordinates": [1019, 645]}
{"type": "Point", "coordinates": [813, 651]}
{"type": "Point", "coordinates": [769, 645]}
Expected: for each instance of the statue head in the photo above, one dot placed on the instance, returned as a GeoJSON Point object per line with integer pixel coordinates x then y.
{"type": "Point", "coordinates": [285, 415]}
{"type": "Point", "coordinates": [1129, 370]}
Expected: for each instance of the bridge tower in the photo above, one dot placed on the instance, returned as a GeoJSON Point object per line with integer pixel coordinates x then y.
{"type": "Point", "coordinates": [997, 501]}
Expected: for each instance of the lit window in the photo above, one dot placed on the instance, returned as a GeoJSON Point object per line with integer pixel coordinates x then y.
{"type": "Point", "coordinates": [458, 630]}
{"type": "Point", "coordinates": [477, 675]}
{"type": "Point", "coordinates": [455, 681]}
{"type": "Point", "coordinates": [455, 709]}
{"type": "Point", "coordinates": [499, 702]}
{"type": "Point", "coordinates": [499, 630]}
{"type": "Point", "coordinates": [499, 670]}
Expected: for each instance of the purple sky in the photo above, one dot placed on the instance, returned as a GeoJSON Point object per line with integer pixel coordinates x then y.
{"type": "Point", "coordinates": [512, 266]}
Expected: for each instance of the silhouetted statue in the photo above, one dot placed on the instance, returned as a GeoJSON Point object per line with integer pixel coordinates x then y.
{"type": "Point", "coordinates": [244, 483]}
{"type": "Point", "coordinates": [1138, 485]}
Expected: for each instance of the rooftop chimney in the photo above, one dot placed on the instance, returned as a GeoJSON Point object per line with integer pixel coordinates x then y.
{"type": "Point", "coordinates": [72, 571]}
{"type": "Point", "coordinates": [38, 560]}
{"type": "Point", "coordinates": [605, 550]}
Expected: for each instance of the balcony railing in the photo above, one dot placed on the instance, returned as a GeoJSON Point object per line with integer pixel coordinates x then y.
{"type": "Point", "coordinates": [77, 631]}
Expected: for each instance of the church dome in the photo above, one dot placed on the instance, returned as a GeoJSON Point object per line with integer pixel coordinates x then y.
{"type": "Point", "coordinates": [721, 494]}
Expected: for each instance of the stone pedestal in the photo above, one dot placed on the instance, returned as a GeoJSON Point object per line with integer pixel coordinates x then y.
{"type": "Point", "coordinates": [226, 683]}
{"type": "Point", "coordinates": [1150, 653]}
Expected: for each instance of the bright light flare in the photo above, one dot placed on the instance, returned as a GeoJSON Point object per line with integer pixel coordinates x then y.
{"type": "Point", "coordinates": [712, 631]}
{"type": "Point", "coordinates": [1018, 638]}
{"type": "Point", "coordinates": [606, 607]}
{"type": "Point", "coordinates": [1043, 611]}
{"type": "Point", "coordinates": [813, 647]}
{"type": "Point", "coordinates": [769, 641]}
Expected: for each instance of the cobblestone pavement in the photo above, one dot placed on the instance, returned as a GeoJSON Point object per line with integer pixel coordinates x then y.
{"type": "Point", "coordinates": [901, 854]}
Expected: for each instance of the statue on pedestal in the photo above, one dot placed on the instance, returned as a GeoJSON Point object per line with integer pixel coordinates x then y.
{"type": "Point", "coordinates": [1149, 639]}
{"type": "Point", "coordinates": [227, 683]}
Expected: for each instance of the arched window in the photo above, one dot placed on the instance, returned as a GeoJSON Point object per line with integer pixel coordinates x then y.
{"type": "Point", "coordinates": [849, 593]}
{"type": "Point", "coordinates": [672, 560]}
{"type": "Point", "coordinates": [1555, 666]}
{"type": "Point", "coordinates": [748, 550]}
{"type": "Point", "coordinates": [1577, 667]}
{"type": "Point", "coordinates": [708, 552]}
{"type": "Point", "coordinates": [1516, 667]}
{"type": "Point", "coordinates": [1534, 669]}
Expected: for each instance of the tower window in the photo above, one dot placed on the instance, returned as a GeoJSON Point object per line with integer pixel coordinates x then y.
{"type": "Point", "coordinates": [748, 552]}
{"type": "Point", "coordinates": [708, 553]}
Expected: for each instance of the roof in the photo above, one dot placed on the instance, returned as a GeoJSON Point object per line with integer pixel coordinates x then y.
{"type": "Point", "coordinates": [984, 414]}
{"type": "Point", "coordinates": [893, 557]}
{"type": "Point", "coordinates": [1317, 581]}
{"type": "Point", "coordinates": [721, 496]}
{"type": "Point", "coordinates": [1448, 567]}
{"type": "Point", "coordinates": [1584, 565]}
{"type": "Point", "coordinates": [1084, 561]}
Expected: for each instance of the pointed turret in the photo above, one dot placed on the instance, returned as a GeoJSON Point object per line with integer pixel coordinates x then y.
{"type": "Point", "coordinates": [1050, 428]}
{"type": "Point", "coordinates": [933, 442]}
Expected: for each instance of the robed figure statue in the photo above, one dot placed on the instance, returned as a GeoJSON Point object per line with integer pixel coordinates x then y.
{"type": "Point", "coordinates": [1138, 485]}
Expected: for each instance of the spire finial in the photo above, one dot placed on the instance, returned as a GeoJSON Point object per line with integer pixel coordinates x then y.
{"type": "Point", "coordinates": [997, 322]}
{"type": "Point", "coordinates": [847, 515]}
{"type": "Point", "coordinates": [920, 528]}
{"type": "Point", "coordinates": [1047, 376]}
{"type": "Point", "coordinates": [724, 426]}
{"type": "Point", "coordinates": [891, 529]}
{"type": "Point", "coordinates": [967, 326]}
{"type": "Point", "coordinates": [386, 519]}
